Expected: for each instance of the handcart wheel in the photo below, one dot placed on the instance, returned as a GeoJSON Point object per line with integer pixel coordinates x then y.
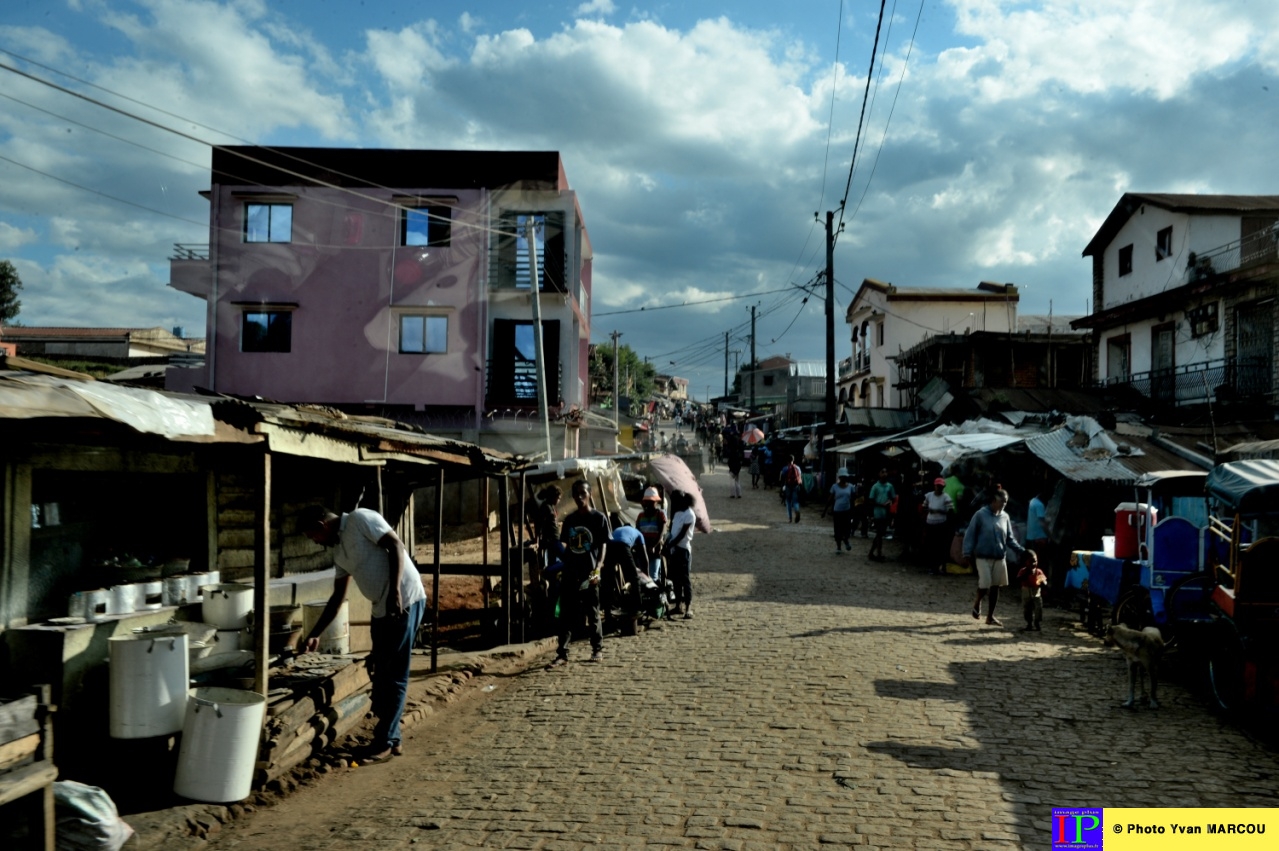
{"type": "Point", "coordinates": [1226, 665]}
{"type": "Point", "coordinates": [1133, 610]}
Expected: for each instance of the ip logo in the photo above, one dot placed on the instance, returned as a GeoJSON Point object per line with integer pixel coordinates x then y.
{"type": "Point", "coordinates": [1078, 828]}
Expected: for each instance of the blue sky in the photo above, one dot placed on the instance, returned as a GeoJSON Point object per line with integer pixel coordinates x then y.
{"type": "Point", "coordinates": [700, 138]}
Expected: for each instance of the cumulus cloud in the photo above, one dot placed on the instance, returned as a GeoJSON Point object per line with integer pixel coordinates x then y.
{"type": "Point", "coordinates": [699, 148]}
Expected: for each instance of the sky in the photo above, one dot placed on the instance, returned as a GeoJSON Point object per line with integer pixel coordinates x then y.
{"type": "Point", "coordinates": [700, 137]}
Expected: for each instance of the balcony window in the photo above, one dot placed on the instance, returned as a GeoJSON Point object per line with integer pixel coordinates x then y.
{"type": "Point", "coordinates": [511, 256]}
{"type": "Point", "coordinates": [512, 368]}
{"type": "Point", "coordinates": [266, 331]}
{"type": "Point", "coordinates": [268, 222]}
{"type": "Point", "coordinates": [427, 225]}
{"type": "Point", "coordinates": [1163, 244]}
{"type": "Point", "coordinates": [1125, 261]}
{"type": "Point", "coordinates": [424, 335]}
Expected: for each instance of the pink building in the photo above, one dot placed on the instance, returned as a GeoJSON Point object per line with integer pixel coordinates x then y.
{"type": "Point", "coordinates": [394, 282]}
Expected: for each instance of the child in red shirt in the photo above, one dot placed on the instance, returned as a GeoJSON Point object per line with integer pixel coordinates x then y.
{"type": "Point", "coordinates": [1032, 581]}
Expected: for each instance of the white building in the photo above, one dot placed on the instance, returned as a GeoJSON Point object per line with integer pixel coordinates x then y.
{"type": "Point", "coordinates": [886, 321]}
{"type": "Point", "coordinates": [1184, 296]}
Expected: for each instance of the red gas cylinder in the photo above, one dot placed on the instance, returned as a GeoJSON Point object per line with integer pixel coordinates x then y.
{"type": "Point", "coordinates": [1130, 527]}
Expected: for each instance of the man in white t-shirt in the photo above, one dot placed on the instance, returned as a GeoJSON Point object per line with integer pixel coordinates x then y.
{"type": "Point", "coordinates": [366, 549]}
{"type": "Point", "coordinates": [939, 512]}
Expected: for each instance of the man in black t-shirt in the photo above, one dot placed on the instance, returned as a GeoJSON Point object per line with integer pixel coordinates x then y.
{"type": "Point", "coordinates": [584, 534]}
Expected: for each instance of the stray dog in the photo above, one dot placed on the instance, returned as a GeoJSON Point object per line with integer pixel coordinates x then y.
{"type": "Point", "coordinates": [1143, 649]}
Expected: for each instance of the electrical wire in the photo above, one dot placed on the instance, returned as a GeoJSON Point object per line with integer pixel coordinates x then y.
{"type": "Point", "coordinates": [688, 303]}
{"type": "Point", "coordinates": [893, 108]}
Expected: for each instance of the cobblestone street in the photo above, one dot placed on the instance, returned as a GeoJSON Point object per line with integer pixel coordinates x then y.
{"type": "Point", "coordinates": [813, 700]}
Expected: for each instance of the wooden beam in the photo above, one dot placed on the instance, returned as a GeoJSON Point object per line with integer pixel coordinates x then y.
{"type": "Point", "coordinates": [504, 522]}
{"type": "Point", "coordinates": [262, 579]}
{"type": "Point", "coordinates": [520, 556]}
{"type": "Point", "coordinates": [435, 584]}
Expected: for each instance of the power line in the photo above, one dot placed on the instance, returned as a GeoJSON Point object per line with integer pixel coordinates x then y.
{"type": "Point", "coordinates": [862, 118]}
{"type": "Point", "coordinates": [689, 303]}
{"type": "Point", "coordinates": [893, 108]}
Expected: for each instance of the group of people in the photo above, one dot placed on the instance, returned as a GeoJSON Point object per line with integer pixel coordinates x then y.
{"type": "Point", "coordinates": [930, 524]}
{"type": "Point", "coordinates": [573, 551]}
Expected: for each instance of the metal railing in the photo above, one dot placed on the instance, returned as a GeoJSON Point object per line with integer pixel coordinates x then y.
{"type": "Point", "coordinates": [522, 391]}
{"type": "Point", "coordinates": [1258, 247]}
{"type": "Point", "coordinates": [190, 251]}
{"type": "Point", "coordinates": [1197, 383]}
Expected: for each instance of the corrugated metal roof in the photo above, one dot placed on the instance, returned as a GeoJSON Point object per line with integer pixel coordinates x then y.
{"type": "Point", "coordinates": [1053, 449]}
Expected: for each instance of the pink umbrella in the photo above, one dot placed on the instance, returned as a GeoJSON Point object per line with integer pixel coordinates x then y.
{"type": "Point", "coordinates": [753, 435]}
{"type": "Point", "coordinates": [674, 474]}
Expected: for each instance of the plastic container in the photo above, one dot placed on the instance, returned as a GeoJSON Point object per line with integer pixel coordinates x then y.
{"type": "Point", "coordinates": [227, 606]}
{"type": "Point", "coordinates": [1130, 528]}
{"type": "Point", "coordinates": [1108, 546]}
{"type": "Point", "coordinates": [220, 737]}
{"type": "Point", "coordinates": [148, 684]}
{"type": "Point", "coordinates": [337, 637]}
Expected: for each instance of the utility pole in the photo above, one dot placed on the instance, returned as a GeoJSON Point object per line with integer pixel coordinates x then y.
{"type": "Point", "coordinates": [753, 362]}
{"type": "Point", "coordinates": [615, 335]}
{"type": "Point", "coordinates": [830, 322]}
{"type": "Point", "coordinates": [539, 359]}
{"type": "Point", "coordinates": [725, 364]}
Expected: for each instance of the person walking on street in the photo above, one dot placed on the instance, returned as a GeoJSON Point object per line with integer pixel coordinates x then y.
{"type": "Point", "coordinates": [939, 510]}
{"type": "Point", "coordinates": [366, 549]}
{"type": "Point", "coordinates": [841, 505]}
{"type": "Point", "coordinates": [733, 449]}
{"type": "Point", "coordinates": [792, 481]}
{"type": "Point", "coordinates": [1038, 531]}
{"type": "Point", "coordinates": [584, 533]}
{"type": "Point", "coordinates": [679, 551]}
{"type": "Point", "coordinates": [881, 498]}
{"type": "Point", "coordinates": [988, 540]}
{"type": "Point", "coordinates": [757, 468]}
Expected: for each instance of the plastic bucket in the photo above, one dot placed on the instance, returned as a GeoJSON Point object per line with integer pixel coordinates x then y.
{"type": "Point", "coordinates": [337, 637]}
{"type": "Point", "coordinates": [220, 737]}
{"type": "Point", "coordinates": [227, 606]}
{"type": "Point", "coordinates": [148, 684]}
{"type": "Point", "coordinates": [1108, 546]}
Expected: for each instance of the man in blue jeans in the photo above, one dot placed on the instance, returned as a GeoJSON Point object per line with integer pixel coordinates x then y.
{"type": "Point", "coordinates": [366, 548]}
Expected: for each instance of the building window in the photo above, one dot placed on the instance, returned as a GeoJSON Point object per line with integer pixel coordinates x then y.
{"type": "Point", "coordinates": [266, 331]}
{"type": "Point", "coordinates": [424, 335]}
{"type": "Point", "coordinates": [1202, 320]}
{"type": "Point", "coordinates": [1125, 261]}
{"type": "Point", "coordinates": [268, 222]}
{"type": "Point", "coordinates": [512, 367]}
{"type": "Point", "coordinates": [879, 333]}
{"type": "Point", "coordinates": [511, 257]}
{"type": "Point", "coordinates": [1163, 244]}
{"type": "Point", "coordinates": [427, 225]}
{"type": "Point", "coordinates": [767, 380]}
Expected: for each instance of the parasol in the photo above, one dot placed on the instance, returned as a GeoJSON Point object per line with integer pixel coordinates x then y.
{"type": "Point", "coordinates": [753, 435]}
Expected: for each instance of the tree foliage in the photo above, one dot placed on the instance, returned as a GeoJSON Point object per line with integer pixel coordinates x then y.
{"type": "Point", "coordinates": [10, 283]}
{"type": "Point", "coordinates": [635, 376]}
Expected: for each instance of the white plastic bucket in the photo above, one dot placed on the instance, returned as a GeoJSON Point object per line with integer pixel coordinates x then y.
{"type": "Point", "coordinates": [220, 738]}
{"type": "Point", "coordinates": [148, 684]}
{"type": "Point", "coordinates": [228, 605]}
{"type": "Point", "coordinates": [336, 638]}
{"type": "Point", "coordinates": [1108, 545]}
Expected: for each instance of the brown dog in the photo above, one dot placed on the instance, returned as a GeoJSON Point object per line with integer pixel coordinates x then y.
{"type": "Point", "coordinates": [1143, 649]}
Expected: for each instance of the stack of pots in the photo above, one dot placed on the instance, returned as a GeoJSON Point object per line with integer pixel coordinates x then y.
{"type": "Point", "coordinates": [227, 606]}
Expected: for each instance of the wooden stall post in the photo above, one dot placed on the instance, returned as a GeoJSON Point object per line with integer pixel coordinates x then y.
{"type": "Point", "coordinates": [435, 582]}
{"type": "Point", "coordinates": [262, 580]}
{"type": "Point", "coordinates": [508, 569]}
{"type": "Point", "coordinates": [523, 603]}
